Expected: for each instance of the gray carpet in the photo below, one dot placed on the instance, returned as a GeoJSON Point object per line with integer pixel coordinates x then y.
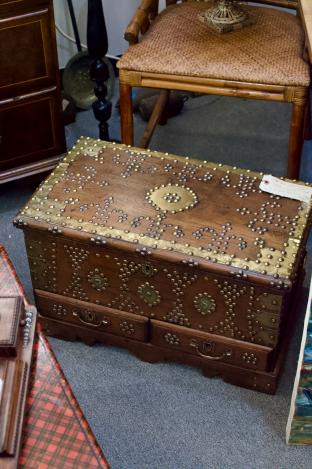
{"type": "Point", "coordinates": [169, 416]}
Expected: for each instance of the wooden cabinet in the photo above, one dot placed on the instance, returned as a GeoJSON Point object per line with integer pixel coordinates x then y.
{"type": "Point", "coordinates": [31, 129]}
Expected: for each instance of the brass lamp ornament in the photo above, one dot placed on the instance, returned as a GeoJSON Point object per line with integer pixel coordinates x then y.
{"type": "Point", "coordinates": [225, 16]}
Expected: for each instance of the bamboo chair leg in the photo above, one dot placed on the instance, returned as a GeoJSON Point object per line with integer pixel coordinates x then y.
{"type": "Point", "coordinates": [126, 114]}
{"type": "Point", "coordinates": [296, 140]}
{"type": "Point", "coordinates": [155, 117]}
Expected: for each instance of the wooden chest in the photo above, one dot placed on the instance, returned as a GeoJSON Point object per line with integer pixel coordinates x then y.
{"type": "Point", "coordinates": [175, 259]}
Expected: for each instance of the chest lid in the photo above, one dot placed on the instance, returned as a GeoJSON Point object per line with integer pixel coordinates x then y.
{"type": "Point", "coordinates": [191, 211]}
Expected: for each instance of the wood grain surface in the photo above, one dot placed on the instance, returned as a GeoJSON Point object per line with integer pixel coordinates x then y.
{"type": "Point", "coordinates": [31, 127]}
{"type": "Point", "coordinates": [164, 252]}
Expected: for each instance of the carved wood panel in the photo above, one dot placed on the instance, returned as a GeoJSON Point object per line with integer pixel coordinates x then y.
{"type": "Point", "coordinates": [26, 51]}
{"type": "Point", "coordinates": [31, 130]}
{"type": "Point", "coordinates": [37, 116]}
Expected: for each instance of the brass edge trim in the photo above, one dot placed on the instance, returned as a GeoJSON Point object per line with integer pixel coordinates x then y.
{"type": "Point", "coordinates": [60, 224]}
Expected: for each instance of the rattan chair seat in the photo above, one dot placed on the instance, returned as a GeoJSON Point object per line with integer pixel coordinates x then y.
{"type": "Point", "coordinates": [270, 51]}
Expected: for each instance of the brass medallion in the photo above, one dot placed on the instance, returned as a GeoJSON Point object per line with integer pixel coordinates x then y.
{"type": "Point", "coordinates": [204, 303]}
{"type": "Point", "coordinates": [149, 294]}
{"type": "Point", "coordinates": [97, 280]}
{"type": "Point", "coordinates": [172, 198]}
{"type": "Point", "coordinates": [148, 270]}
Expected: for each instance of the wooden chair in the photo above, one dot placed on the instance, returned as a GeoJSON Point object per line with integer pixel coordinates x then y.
{"type": "Point", "coordinates": [175, 51]}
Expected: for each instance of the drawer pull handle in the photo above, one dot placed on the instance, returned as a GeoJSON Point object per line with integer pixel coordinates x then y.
{"type": "Point", "coordinates": [92, 316]}
{"type": "Point", "coordinates": [209, 346]}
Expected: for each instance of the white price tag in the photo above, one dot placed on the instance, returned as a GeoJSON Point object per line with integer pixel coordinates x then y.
{"type": "Point", "coordinates": [291, 190]}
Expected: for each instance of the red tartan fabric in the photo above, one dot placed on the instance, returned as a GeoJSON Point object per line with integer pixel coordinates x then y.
{"type": "Point", "coordinates": [56, 434]}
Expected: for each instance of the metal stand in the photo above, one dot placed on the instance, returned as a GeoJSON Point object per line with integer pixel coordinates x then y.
{"type": "Point", "coordinates": [226, 16]}
{"type": "Point", "coordinates": [97, 46]}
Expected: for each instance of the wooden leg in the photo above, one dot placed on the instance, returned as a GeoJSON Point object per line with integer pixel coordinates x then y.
{"type": "Point", "coordinates": [307, 132]}
{"type": "Point", "coordinates": [155, 117]}
{"type": "Point", "coordinates": [126, 114]}
{"type": "Point", "coordinates": [295, 140]}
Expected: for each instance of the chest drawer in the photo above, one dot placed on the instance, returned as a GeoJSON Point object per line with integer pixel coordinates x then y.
{"type": "Point", "coordinates": [92, 316]}
{"type": "Point", "coordinates": [37, 115]}
{"type": "Point", "coordinates": [27, 52]}
{"type": "Point", "coordinates": [210, 347]}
